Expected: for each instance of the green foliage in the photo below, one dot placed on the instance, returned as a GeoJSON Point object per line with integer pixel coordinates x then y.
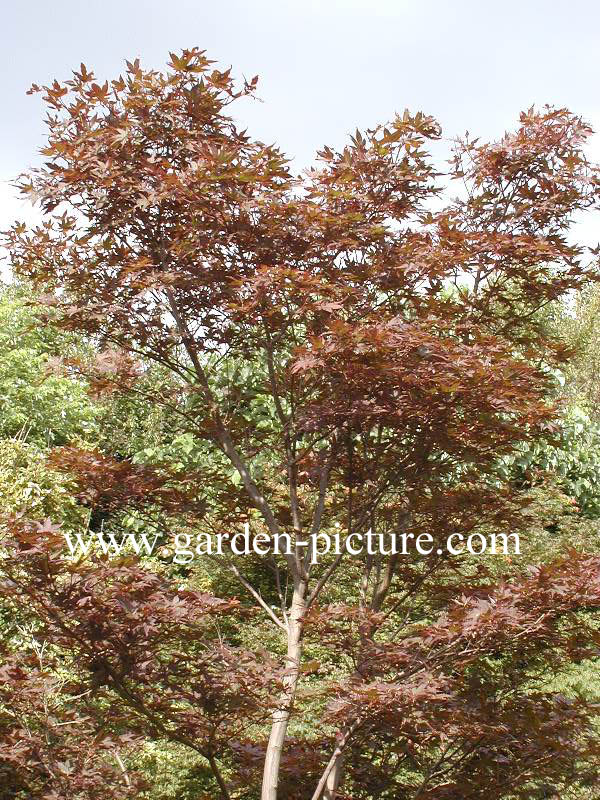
{"type": "Point", "coordinates": [28, 485]}
{"type": "Point", "coordinates": [580, 324]}
{"type": "Point", "coordinates": [573, 460]}
{"type": "Point", "coordinates": [172, 773]}
{"type": "Point", "coordinates": [40, 407]}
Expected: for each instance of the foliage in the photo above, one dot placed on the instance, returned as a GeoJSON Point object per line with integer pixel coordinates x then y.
{"type": "Point", "coordinates": [329, 350]}
{"type": "Point", "coordinates": [48, 749]}
{"type": "Point", "coordinates": [580, 325]}
{"type": "Point", "coordinates": [574, 458]}
{"type": "Point", "coordinates": [28, 486]}
{"type": "Point", "coordinates": [44, 409]}
{"type": "Point", "coordinates": [145, 654]}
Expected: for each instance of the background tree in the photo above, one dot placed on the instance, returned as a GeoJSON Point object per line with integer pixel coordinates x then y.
{"type": "Point", "coordinates": [38, 407]}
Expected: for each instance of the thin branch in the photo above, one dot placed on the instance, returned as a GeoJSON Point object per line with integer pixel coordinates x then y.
{"type": "Point", "coordinates": [323, 579]}
{"type": "Point", "coordinates": [343, 740]}
{"type": "Point", "coordinates": [122, 767]}
{"type": "Point", "coordinates": [218, 777]}
{"type": "Point", "coordinates": [247, 585]}
{"type": "Point", "coordinates": [222, 434]}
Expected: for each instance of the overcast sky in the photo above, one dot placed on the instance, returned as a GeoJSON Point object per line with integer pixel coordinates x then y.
{"type": "Point", "coordinates": [325, 67]}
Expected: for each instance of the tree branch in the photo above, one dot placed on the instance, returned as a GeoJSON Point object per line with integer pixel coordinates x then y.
{"type": "Point", "coordinates": [247, 585]}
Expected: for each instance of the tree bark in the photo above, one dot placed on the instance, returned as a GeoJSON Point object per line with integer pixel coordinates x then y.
{"type": "Point", "coordinates": [282, 713]}
{"type": "Point", "coordinates": [334, 778]}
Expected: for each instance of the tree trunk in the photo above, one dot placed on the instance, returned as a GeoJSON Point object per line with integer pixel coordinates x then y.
{"type": "Point", "coordinates": [334, 778]}
{"type": "Point", "coordinates": [281, 715]}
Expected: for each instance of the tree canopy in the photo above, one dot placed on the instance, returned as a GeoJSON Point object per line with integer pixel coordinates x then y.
{"type": "Point", "coordinates": [353, 348]}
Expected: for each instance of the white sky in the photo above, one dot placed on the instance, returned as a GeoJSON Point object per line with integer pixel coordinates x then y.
{"type": "Point", "coordinates": [326, 67]}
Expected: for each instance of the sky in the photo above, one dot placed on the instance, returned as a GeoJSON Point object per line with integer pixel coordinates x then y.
{"type": "Point", "coordinates": [325, 67]}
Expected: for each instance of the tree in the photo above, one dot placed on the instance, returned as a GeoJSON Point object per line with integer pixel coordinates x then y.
{"type": "Point", "coordinates": [47, 748]}
{"type": "Point", "coordinates": [36, 406]}
{"type": "Point", "coordinates": [341, 353]}
{"type": "Point", "coordinates": [580, 324]}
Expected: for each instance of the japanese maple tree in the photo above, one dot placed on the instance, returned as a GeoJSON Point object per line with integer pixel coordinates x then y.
{"type": "Point", "coordinates": [351, 347]}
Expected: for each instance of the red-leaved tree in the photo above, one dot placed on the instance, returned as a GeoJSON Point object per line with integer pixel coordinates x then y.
{"type": "Point", "coordinates": [345, 351]}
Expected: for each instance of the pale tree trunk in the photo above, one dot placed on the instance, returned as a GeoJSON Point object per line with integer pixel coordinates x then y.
{"type": "Point", "coordinates": [334, 778]}
{"type": "Point", "coordinates": [282, 714]}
